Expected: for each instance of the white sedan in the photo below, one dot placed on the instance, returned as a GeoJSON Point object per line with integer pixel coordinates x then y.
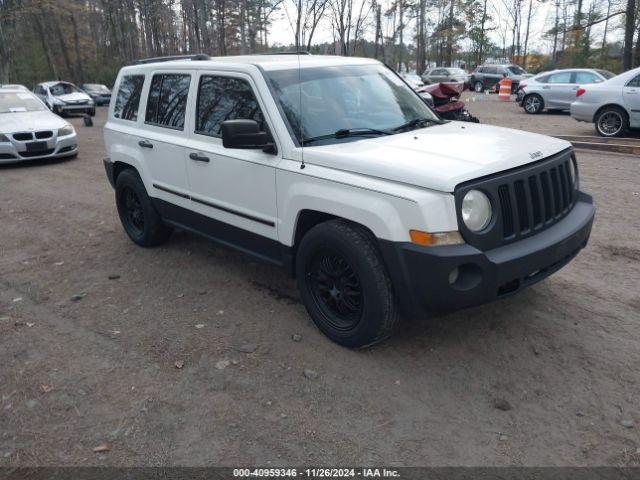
{"type": "Point", "coordinates": [613, 106]}
{"type": "Point", "coordinates": [29, 131]}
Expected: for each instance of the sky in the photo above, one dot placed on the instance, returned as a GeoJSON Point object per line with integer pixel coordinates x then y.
{"type": "Point", "coordinates": [282, 33]}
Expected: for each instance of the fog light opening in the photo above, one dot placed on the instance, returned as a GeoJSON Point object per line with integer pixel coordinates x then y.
{"type": "Point", "coordinates": [453, 276]}
{"type": "Point", "coordinates": [465, 277]}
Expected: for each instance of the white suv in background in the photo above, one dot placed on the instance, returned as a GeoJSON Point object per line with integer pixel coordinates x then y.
{"type": "Point", "coordinates": [335, 169]}
{"type": "Point", "coordinates": [29, 131]}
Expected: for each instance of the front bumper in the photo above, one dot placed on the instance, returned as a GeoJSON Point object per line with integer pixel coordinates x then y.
{"type": "Point", "coordinates": [56, 147]}
{"type": "Point", "coordinates": [74, 109]}
{"type": "Point", "coordinates": [421, 275]}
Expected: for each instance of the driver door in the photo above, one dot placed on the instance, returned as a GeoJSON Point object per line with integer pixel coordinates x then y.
{"type": "Point", "coordinates": [230, 187]}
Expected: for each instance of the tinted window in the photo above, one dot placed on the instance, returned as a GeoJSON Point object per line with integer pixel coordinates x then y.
{"type": "Point", "coordinates": [635, 82]}
{"type": "Point", "coordinates": [167, 100]}
{"type": "Point", "coordinates": [586, 77]}
{"type": "Point", "coordinates": [516, 70]}
{"type": "Point", "coordinates": [224, 98]}
{"type": "Point", "coordinates": [128, 97]}
{"type": "Point", "coordinates": [563, 77]}
{"type": "Point", "coordinates": [490, 70]}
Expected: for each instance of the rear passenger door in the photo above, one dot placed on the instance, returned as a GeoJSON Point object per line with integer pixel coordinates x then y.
{"type": "Point", "coordinates": [162, 139]}
{"type": "Point", "coordinates": [561, 91]}
{"type": "Point", "coordinates": [232, 187]}
{"type": "Point", "coordinates": [631, 94]}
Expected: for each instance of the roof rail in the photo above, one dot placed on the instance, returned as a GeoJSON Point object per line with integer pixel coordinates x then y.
{"type": "Point", "coordinates": [299, 52]}
{"type": "Point", "coordinates": [197, 56]}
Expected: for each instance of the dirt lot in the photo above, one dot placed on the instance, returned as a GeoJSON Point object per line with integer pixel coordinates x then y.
{"type": "Point", "coordinates": [548, 377]}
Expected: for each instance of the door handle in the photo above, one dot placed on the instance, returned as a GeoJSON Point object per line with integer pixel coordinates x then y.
{"type": "Point", "coordinates": [198, 158]}
{"type": "Point", "coordinates": [145, 144]}
{"type": "Point", "coordinates": [546, 87]}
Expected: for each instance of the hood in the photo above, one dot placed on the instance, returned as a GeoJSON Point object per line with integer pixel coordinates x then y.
{"type": "Point", "coordinates": [73, 97]}
{"type": "Point", "coordinates": [438, 157]}
{"type": "Point", "coordinates": [30, 121]}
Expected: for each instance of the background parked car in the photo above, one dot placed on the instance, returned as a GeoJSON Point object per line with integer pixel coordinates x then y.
{"type": "Point", "coordinates": [64, 98]}
{"type": "Point", "coordinates": [29, 131]}
{"type": "Point", "coordinates": [441, 74]}
{"type": "Point", "coordinates": [413, 80]}
{"type": "Point", "coordinates": [556, 90]}
{"type": "Point", "coordinates": [486, 76]}
{"type": "Point", "coordinates": [613, 105]}
{"type": "Point", "coordinates": [100, 94]}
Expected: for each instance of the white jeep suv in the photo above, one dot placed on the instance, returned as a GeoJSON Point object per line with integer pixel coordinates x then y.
{"type": "Point", "coordinates": [335, 169]}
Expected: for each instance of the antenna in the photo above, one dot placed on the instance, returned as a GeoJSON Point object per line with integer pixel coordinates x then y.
{"type": "Point", "coordinates": [302, 165]}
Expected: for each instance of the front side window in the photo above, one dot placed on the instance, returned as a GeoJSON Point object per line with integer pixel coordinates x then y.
{"type": "Point", "coordinates": [516, 70]}
{"type": "Point", "coordinates": [324, 100]}
{"type": "Point", "coordinates": [635, 82]}
{"type": "Point", "coordinates": [128, 98]}
{"type": "Point", "coordinates": [225, 98]}
{"type": "Point", "coordinates": [167, 101]}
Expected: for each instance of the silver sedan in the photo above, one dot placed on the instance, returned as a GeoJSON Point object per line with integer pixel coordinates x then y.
{"type": "Point", "coordinates": [613, 106]}
{"type": "Point", "coordinates": [556, 90]}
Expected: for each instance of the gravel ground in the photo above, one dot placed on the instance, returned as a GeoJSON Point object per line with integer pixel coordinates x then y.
{"type": "Point", "coordinates": [93, 330]}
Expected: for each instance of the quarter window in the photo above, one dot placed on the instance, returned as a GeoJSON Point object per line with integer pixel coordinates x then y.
{"type": "Point", "coordinates": [225, 98]}
{"type": "Point", "coordinates": [128, 98]}
{"type": "Point", "coordinates": [167, 100]}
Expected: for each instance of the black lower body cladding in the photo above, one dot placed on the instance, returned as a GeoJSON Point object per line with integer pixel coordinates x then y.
{"type": "Point", "coordinates": [447, 278]}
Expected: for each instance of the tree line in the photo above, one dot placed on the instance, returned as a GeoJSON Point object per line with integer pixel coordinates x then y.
{"type": "Point", "coordinates": [89, 40]}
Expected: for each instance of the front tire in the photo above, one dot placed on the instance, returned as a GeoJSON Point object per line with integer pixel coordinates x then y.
{"type": "Point", "coordinates": [344, 284]}
{"type": "Point", "coordinates": [139, 218]}
{"type": "Point", "coordinates": [533, 104]}
{"type": "Point", "coordinates": [478, 87]}
{"type": "Point", "coordinates": [611, 122]}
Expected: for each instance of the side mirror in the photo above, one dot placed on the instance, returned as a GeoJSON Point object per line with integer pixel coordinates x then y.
{"type": "Point", "coordinates": [245, 134]}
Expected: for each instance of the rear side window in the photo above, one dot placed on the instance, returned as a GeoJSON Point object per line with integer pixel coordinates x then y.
{"type": "Point", "coordinates": [128, 98]}
{"type": "Point", "coordinates": [586, 77]}
{"type": "Point", "coordinates": [224, 98]}
{"type": "Point", "coordinates": [563, 77]}
{"type": "Point", "coordinates": [167, 100]}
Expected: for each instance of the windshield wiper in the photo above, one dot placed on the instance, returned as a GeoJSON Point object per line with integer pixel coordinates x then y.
{"type": "Point", "coordinates": [348, 132]}
{"type": "Point", "coordinates": [416, 123]}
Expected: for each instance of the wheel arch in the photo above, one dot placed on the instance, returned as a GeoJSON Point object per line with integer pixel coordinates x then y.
{"type": "Point", "coordinates": [610, 105]}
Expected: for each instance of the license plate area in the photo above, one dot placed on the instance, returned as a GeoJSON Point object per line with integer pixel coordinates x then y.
{"type": "Point", "coordinates": [36, 146]}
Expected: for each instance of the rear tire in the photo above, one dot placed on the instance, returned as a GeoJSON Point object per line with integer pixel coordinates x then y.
{"type": "Point", "coordinates": [139, 218]}
{"type": "Point", "coordinates": [533, 104]}
{"type": "Point", "coordinates": [611, 122]}
{"type": "Point", "coordinates": [344, 284]}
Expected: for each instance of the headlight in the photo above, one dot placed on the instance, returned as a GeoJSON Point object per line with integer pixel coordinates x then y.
{"type": "Point", "coordinates": [90, 102]}
{"type": "Point", "coordinates": [66, 130]}
{"type": "Point", "coordinates": [476, 210]}
{"type": "Point", "coordinates": [3, 138]}
{"type": "Point", "coordinates": [57, 101]}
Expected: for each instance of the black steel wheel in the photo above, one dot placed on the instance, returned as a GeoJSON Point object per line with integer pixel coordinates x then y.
{"type": "Point", "coordinates": [134, 214]}
{"type": "Point", "coordinates": [336, 289]}
{"type": "Point", "coordinates": [138, 216]}
{"type": "Point", "coordinates": [344, 284]}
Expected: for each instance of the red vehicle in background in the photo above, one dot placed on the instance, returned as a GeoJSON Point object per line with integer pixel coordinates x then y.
{"type": "Point", "coordinates": [446, 101]}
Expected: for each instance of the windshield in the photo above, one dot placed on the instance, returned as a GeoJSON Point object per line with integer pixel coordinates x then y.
{"type": "Point", "coordinates": [344, 98]}
{"type": "Point", "coordinates": [96, 87]}
{"type": "Point", "coordinates": [14, 102]}
{"type": "Point", "coordinates": [516, 70]}
{"type": "Point", "coordinates": [606, 74]}
{"type": "Point", "coordinates": [63, 89]}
